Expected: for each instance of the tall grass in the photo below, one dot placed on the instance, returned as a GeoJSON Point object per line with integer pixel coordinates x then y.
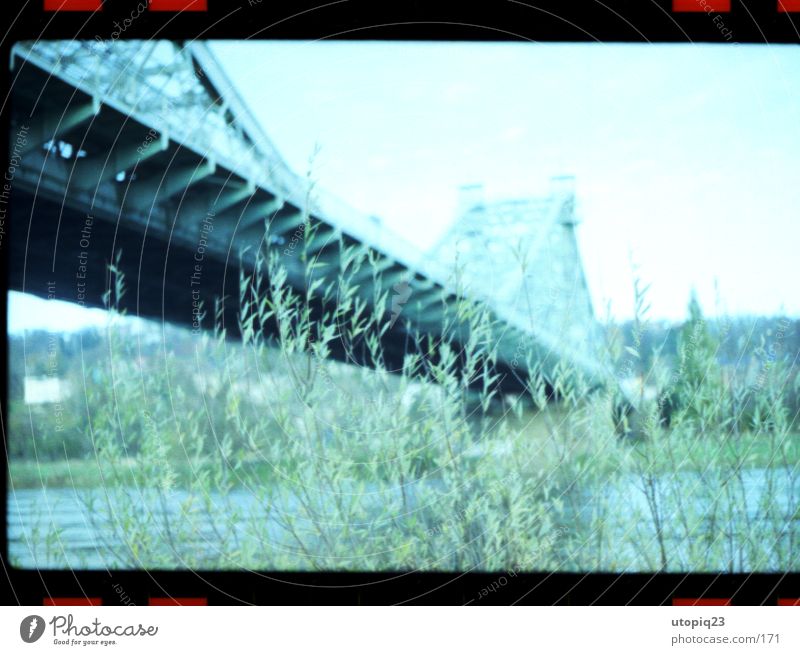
{"type": "Point", "coordinates": [264, 452]}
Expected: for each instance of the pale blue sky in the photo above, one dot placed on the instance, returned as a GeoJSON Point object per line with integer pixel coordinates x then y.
{"type": "Point", "coordinates": [686, 156]}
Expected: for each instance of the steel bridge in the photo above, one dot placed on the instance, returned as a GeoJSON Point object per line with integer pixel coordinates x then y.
{"type": "Point", "coordinates": [146, 147]}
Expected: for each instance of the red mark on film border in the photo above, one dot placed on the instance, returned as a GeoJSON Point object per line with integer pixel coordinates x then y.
{"type": "Point", "coordinates": [76, 601]}
{"type": "Point", "coordinates": [73, 5]}
{"type": "Point", "coordinates": [153, 5]}
{"type": "Point", "coordinates": [718, 6]}
{"type": "Point", "coordinates": [700, 602]}
{"type": "Point", "coordinates": [178, 601]}
{"type": "Point", "coordinates": [178, 5]}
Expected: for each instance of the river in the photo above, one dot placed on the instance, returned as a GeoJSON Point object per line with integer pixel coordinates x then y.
{"type": "Point", "coordinates": [685, 521]}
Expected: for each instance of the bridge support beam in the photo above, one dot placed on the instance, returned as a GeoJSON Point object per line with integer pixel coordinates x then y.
{"type": "Point", "coordinates": [426, 300]}
{"type": "Point", "coordinates": [49, 124]}
{"type": "Point", "coordinates": [391, 278]}
{"type": "Point", "coordinates": [257, 214]}
{"type": "Point", "coordinates": [250, 221]}
{"type": "Point", "coordinates": [176, 179]}
{"type": "Point", "coordinates": [324, 238]}
{"type": "Point", "coordinates": [367, 271]}
{"type": "Point", "coordinates": [90, 172]}
{"type": "Point", "coordinates": [216, 204]}
{"type": "Point", "coordinates": [231, 196]}
{"type": "Point", "coordinates": [285, 224]}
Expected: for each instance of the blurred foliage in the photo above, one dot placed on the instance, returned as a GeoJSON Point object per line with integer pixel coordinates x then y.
{"type": "Point", "coordinates": [349, 467]}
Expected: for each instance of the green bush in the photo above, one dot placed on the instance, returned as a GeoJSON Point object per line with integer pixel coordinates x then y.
{"type": "Point", "coordinates": [269, 455]}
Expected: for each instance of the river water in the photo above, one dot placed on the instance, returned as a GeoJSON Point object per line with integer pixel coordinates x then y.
{"type": "Point", "coordinates": [685, 521]}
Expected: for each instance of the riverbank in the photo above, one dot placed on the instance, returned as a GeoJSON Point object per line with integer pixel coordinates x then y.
{"type": "Point", "coordinates": [670, 454]}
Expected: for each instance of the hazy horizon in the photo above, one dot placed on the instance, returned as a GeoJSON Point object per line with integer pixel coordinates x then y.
{"type": "Point", "coordinates": [29, 313]}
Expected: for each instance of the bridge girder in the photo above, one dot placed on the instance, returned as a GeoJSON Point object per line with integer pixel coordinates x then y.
{"type": "Point", "coordinates": [175, 180]}
{"type": "Point", "coordinates": [92, 171]}
{"type": "Point", "coordinates": [51, 123]}
{"type": "Point", "coordinates": [172, 181]}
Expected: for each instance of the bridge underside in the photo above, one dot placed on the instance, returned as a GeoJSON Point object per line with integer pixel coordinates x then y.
{"type": "Point", "coordinates": [105, 168]}
{"type": "Point", "coordinates": [71, 264]}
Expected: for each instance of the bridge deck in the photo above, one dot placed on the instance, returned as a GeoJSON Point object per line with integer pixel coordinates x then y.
{"type": "Point", "coordinates": [146, 147]}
